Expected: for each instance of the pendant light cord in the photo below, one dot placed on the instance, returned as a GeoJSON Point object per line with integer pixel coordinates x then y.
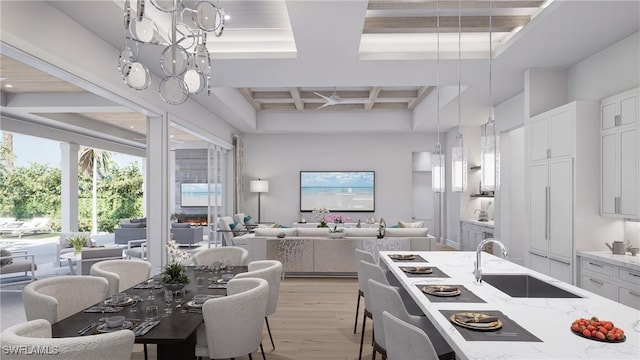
{"type": "Point", "coordinates": [491, 116]}
{"type": "Point", "coordinates": [438, 146]}
{"type": "Point", "coordinates": [459, 70]}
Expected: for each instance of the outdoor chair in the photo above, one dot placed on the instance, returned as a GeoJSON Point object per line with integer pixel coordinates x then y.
{"type": "Point", "coordinates": [18, 262]}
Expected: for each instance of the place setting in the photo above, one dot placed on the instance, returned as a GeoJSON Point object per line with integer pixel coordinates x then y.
{"type": "Point", "coordinates": [196, 303]}
{"type": "Point", "coordinates": [109, 324]}
{"type": "Point", "coordinates": [420, 271]}
{"type": "Point", "coordinates": [448, 293]}
{"type": "Point", "coordinates": [407, 258]}
{"type": "Point", "coordinates": [487, 325]}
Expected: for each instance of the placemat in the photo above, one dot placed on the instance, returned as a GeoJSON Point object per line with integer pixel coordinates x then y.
{"type": "Point", "coordinates": [418, 258]}
{"type": "Point", "coordinates": [510, 330]}
{"type": "Point", "coordinates": [436, 273]}
{"type": "Point", "coordinates": [465, 296]}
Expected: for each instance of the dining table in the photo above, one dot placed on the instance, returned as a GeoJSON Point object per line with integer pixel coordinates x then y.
{"type": "Point", "coordinates": [176, 333]}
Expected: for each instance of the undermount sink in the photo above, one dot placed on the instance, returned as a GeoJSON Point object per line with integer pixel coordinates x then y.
{"type": "Point", "coordinates": [526, 286]}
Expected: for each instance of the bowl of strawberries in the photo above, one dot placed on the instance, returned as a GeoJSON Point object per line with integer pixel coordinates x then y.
{"type": "Point", "coordinates": [599, 330]}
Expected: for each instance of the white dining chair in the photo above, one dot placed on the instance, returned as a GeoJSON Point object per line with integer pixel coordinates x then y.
{"type": "Point", "coordinates": [405, 341]}
{"type": "Point", "coordinates": [36, 334]}
{"type": "Point", "coordinates": [56, 298]}
{"type": "Point", "coordinates": [368, 257]}
{"type": "Point", "coordinates": [122, 274]}
{"type": "Point", "coordinates": [271, 271]}
{"type": "Point", "coordinates": [387, 298]}
{"type": "Point", "coordinates": [233, 255]}
{"type": "Point", "coordinates": [233, 324]}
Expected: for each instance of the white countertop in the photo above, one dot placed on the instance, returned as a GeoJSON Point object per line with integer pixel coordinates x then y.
{"type": "Point", "coordinates": [547, 319]}
{"type": "Point", "coordinates": [489, 224]}
{"type": "Point", "coordinates": [627, 261]}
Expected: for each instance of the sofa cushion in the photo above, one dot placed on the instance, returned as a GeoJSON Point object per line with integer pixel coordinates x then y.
{"type": "Point", "coordinates": [270, 232]}
{"type": "Point", "coordinates": [417, 224]}
{"type": "Point", "coordinates": [407, 232]}
{"type": "Point", "coordinates": [368, 232]}
{"type": "Point", "coordinates": [3, 253]}
{"type": "Point", "coordinates": [133, 225]}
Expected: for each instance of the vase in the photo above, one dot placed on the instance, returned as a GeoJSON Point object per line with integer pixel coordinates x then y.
{"type": "Point", "coordinates": [336, 235]}
{"type": "Point", "coordinates": [174, 287]}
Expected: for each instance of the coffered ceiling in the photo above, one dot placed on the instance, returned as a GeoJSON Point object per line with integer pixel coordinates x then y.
{"type": "Point", "coordinates": [377, 55]}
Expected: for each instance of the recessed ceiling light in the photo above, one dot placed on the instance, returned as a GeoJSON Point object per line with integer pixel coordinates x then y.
{"type": "Point", "coordinates": [8, 86]}
{"type": "Point", "coordinates": [131, 127]}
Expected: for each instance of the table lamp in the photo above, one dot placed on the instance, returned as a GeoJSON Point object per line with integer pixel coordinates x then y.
{"type": "Point", "coordinates": [259, 186]}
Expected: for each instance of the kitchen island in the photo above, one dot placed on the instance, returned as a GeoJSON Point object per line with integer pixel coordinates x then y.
{"type": "Point", "coordinates": [547, 319]}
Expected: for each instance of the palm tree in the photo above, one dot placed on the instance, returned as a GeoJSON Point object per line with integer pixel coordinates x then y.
{"type": "Point", "coordinates": [94, 163]}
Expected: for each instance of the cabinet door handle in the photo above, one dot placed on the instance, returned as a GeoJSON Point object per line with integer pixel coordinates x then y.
{"type": "Point", "coordinates": [634, 293]}
{"type": "Point", "coordinates": [548, 153]}
{"type": "Point", "coordinates": [618, 120]}
{"type": "Point", "coordinates": [536, 254]}
{"type": "Point", "coordinates": [560, 261]}
{"type": "Point", "coordinates": [596, 281]}
{"type": "Point", "coordinates": [596, 265]}
{"type": "Point", "coordinates": [632, 274]}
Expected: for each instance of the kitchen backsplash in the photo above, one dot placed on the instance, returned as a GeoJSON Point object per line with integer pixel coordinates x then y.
{"type": "Point", "coordinates": [632, 232]}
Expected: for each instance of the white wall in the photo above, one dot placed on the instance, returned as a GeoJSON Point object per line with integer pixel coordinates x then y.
{"type": "Point", "coordinates": [279, 159]}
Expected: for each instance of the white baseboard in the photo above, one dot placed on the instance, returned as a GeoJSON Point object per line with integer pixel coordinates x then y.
{"type": "Point", "coordinates": [453, 244]}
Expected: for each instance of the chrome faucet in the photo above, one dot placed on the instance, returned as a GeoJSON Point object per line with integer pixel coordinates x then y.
{"type": "Point", "coordinates": [478, 270]}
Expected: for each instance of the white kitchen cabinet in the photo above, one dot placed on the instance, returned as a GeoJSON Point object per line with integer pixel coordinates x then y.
{"type": "Point", "coordinates": [562, 187]}
{"type": "Point", "coordinates": [552, 134]}
{"type": "Point", "coordinates": [472, 234]}
{"type": "Point", "coordinates": [610, 276]}
{"type": "Point", "coordinates": [620, 155]}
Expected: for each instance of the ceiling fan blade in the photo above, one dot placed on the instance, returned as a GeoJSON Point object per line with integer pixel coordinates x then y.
{"type": "Point", "coordinates": [325, 105]}
{"type": "Point", "coordinates": [324, 97]}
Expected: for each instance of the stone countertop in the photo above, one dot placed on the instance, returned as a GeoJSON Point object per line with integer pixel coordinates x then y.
{"type": "Point", "coordinates": [548, 319]}
{"type": "Point", "coordinates": [627, 261]}
{"type": "Point", "coordinates": [488, 224]}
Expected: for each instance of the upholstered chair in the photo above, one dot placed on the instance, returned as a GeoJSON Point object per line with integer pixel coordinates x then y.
{"type": "Point", "coordinates": [56, 298]}
{"type": "Point", "coordinates": [368, 257]}
{"type": "Point", "coordinates": [235, 256]}
{"type": "Point", "coordinates": [36, 334]}
{"type": "Point", "coordinates": [239, 218]}
{"type": "Point", "coordinates": [366, 271]}
{"type": "Point", "coordinates": [224, 225]}
{"type": "Point", "coordinates": [387, 298]}
{"type": "Point", "coordinates": [271, 271]}
{"type": "Point", "coordinates": [122, 274]}
{"type": "Point", "coordinates": [405, 341]}
{"type": "Point", "coordinates": [233, 324]}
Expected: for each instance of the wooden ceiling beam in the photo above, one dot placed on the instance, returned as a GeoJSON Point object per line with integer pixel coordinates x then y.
{"type": "Point", "coordinates": [349, 94]}
{"type": "Point", "coordinates": [410, 24]}
{"type": "Point", "coordinates": [266, 95]}
{"type": "Point", "coordinates": [295, 94]}
{"type": "Point", "coordinates": [373, 96]}
{"type": "Point", "coordinates": [397, 94]}
{"type": "Point", "coordinates": [279, 107]}
{"type": "Point", "coordinates": [248, 95]}
{"type": "Point", "coordinates": [422, 93]}
{"type": "Point", "coordinates": [451, 4]}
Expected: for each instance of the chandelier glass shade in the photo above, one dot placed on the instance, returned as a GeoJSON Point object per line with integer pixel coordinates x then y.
{"type": "Point", "coordinates": [437, 159]}
{"type": "Point", "coordinates": [459, 152]}
{"type": "Point", "coordinates": [184, 61]}
{"type": "Point", "coordinates": [488, 156]}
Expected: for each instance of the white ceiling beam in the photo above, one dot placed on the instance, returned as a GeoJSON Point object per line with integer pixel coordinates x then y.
{"type": "Point", "coordinates": [428, 24]}
{"type": "Point", "coordinates": [248, 95]}
{"type": "Point", "coordinates": [422, 93]}
{"type": "Point", "coordinates": [373, 96]}
{"type": "Point", "coordinates": [62, 103]}
{"type": "Point", "coordinates": [295, 94]}
{"type": "Point", "coordinates": [451, 4]}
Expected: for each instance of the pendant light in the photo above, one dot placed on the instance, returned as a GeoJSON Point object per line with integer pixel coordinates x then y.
{"type": "Point", "coordinates": [437, 160]}
{"type": "Point", "coordinates": [488, 149]}
{"type": "Point", "coordinates": [459, 152]}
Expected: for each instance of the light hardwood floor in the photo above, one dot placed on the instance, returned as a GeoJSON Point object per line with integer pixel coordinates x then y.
{"type": "Point", "coordinates": [314, 320]}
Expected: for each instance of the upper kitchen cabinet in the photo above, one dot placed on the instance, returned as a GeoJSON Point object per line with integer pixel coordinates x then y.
{"type": "Point", "coordinates": [620, 155]}
{"type": "Point", "coordinates": [552, 133]}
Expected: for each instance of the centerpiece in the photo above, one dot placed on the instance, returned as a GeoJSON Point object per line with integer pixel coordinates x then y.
{"type": "Point", "coordinates": [77, 242]}
{"type": "Point", "coordinates": [173, 276]}
{"type": "Point", "coordinates": [319, 214]}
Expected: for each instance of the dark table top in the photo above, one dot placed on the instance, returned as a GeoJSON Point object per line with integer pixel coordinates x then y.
{"type": "Point", "coordinates": [175, 328]}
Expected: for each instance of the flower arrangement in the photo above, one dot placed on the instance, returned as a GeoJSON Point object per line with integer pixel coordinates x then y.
{"type": "Point", "coordinates": [173, 272]}
{"type": "Point", "coordinates": [337, 219]}
{"type": "Point", "coordinates": [77, 242]}
{"type": "Point", "coordinates": [319, 214]}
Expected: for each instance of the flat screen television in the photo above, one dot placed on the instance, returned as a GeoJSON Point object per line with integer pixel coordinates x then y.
{"type": "Point", "coordinates": [197, 194]}
{"type": "Point", "coordinates": [338, 191]}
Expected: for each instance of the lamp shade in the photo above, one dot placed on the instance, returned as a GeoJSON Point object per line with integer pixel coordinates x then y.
{"type": "Point", "coordinates": [259, 186]}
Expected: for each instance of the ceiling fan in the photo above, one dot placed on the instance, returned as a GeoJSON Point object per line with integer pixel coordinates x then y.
{"type": "Point", "coordinates": [334, 99]}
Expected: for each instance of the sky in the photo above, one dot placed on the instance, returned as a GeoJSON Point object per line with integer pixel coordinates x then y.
{"type": "Point", "coordinates": [33, 149]}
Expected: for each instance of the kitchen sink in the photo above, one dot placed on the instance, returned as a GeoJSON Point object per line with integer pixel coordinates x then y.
{"type": "Point", "coordinates": [521, 285]}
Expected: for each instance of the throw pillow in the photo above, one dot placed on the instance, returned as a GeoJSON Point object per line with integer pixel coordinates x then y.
{"type": "Point", "coordinates": [417, 224]}
{"type": "Point", "coordinates": [133, 225]}
{"type": "Point", "coordinates": [247, 219]}
{"type": "Point", "coordinates": [3, 253]}
{"type": "Point", "coordinates": [180, 225]}
{"type": "Point", "coordinates": [238, 229]}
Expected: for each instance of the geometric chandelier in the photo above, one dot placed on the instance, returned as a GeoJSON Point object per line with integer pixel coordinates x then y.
{"type": "Point", "coordinates": [184, 60]}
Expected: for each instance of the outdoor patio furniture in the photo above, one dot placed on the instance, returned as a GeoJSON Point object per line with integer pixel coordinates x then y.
{"type": "Point", "coordinates": [18, 228]}
{"type": "Point", "coordinates": [63, 246]}
{"type": "Point", "coordinates": [21, 262]}
{"type": "Point", "coordinates": [90, 256]}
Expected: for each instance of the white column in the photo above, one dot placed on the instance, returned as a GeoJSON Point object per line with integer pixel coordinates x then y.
{"type": "Point", "coordinates": [69, 193]}
{"type": "Point", "coordinates": [157, 191]}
